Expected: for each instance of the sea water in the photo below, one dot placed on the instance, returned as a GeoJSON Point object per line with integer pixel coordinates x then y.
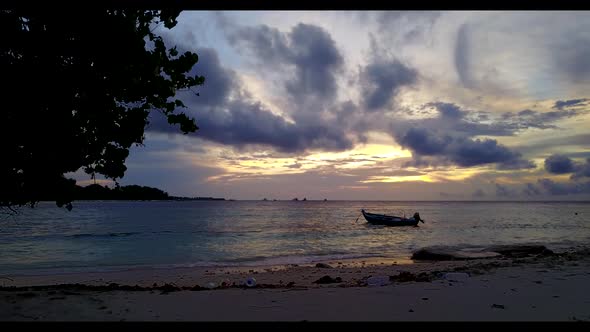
{"type": "Point", "coordinates": [113, 235]}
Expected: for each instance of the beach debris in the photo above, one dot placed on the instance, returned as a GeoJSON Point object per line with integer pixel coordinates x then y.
{"type": "Point", "coordinates": [405, 276]}
{"type": "Point", "coordinates": [456, 276]}
{"type": "Point", "coordinates": [521, 250]}
{"type": "Point", "coordinates": [225, 283]}
{"type": "Point", "coordinates": [328, 280]}
{"type": "Point", "coordinates": [432, 254]}
{"type": "Point", "coordinates": [442, 253]}
{"type": "Point", "coordinates": [378, 281]}
{"type": "Point", "coordinates": [250, 282]}
{"type": "Point", "coordinates": [211, 285]}
{"type": "Point", "coordinates": [323, 266]}
{"type": "Point", "coordinates": [167, 288]}
{"type": "Point", "coordinates": [498, 306]}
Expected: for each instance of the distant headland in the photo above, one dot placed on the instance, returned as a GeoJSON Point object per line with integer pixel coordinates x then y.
{"type": "Point", "coordinates": [127, 193]}
{"type": "Point", "coordinates": [196, 198]}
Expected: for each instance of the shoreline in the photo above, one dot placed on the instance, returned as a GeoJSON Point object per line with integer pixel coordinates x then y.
{"type": "Point", "coordinates": [269, 274]}
{"type": "Point", "coordinates": [183, 275]}
{"type": "Point", "coordinates": [517, 288]}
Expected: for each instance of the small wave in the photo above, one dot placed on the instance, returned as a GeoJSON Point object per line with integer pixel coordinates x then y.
{"type": "Point", "coordinates": [252, 262]}
{"type": "Point", "coordinates": [261, 261]}
{"type": "Point", "coordinates": [105, 235]}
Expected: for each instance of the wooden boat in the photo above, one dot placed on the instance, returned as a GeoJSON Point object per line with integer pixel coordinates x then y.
{"type": "Point", "coordinates": [381, 219]}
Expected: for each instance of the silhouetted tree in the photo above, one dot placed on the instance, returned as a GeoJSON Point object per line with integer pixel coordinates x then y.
{"type": "Point", "coordinates": [77, 89]}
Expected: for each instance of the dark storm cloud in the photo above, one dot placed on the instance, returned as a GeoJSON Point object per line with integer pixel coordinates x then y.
{"type": "Point", "coordinates": [228, 115]}
{"type": "Point", "coordinates": [242, 122]}
{"type": "Point", "coordinates": [463, 151]}
{"type": "Point", "coordinates": [424, 142]}
{"type": "Point", "coordinates": [308, 48]}
{"type": "Point", "coordinates": [560, 104]}
{"type": "Point", "coordinates": [448, 139]}
{"type": "Point", "coordinates": [448, 110]}
{"type": "Point", "coordinates": [567, 188]}
{"type": "Point", "coordinates": [532, 119]}
{"type": "Point", "coordinates": [219, 82]}
{"type": "Point", "coordinates": [559, 164]}
{"type": "Point", "coordinates": [453, 118]}
{"type": "Point", "coordinates": [449, 135]}
{"type": "Point", "coordinates": [381, 80]}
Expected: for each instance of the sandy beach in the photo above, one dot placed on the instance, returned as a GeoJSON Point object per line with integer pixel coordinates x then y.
{"type": "Point", "coordinates": [532, 288]}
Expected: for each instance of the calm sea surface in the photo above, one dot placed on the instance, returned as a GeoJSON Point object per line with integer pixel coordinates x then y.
{"type": "Point", "coordinates": [113, 235]}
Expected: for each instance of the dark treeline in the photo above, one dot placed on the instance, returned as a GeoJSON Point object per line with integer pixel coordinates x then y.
{"type": "Point", "coordinates": [132, 192]}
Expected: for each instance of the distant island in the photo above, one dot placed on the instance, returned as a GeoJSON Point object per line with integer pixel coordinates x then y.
{"type": "Point", "coordinates": [131, 193]}
{"type": "Point", "coordinates": [197, 198]}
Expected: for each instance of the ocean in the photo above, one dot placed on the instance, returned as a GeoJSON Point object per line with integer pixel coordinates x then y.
{"type": "Point", "coordinates": [112, 235]}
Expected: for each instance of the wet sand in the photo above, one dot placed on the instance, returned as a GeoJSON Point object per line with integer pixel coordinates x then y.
{"type": "Point", "coordinates": [538, 288]}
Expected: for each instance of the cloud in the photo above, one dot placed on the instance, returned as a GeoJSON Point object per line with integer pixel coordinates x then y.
{"type": "Point", "coordinates": [468, 152]}
{"type": "Point", "coordinates": [226, 113]}
{"type": "Point", "coordinates": [448, 110]}
{"type": "Point", "coordinates": [560, 104]}
{"type": "Point", "coordinates": [478, 193]}
{"type": "Point", "coordinates": [453, 118]}
{"type": "Point", "coordinates": [573, 141]}
{"type": "Point", "coordinates": [531, 190]}
{"type": "Point", "coordinates": [244, 122]}
{"type": "Point", "coordinates": [582, 170]}
{"type": "Point", "coordinates": [448, 135]}
{"type": "Point", "coordinates": [572, 57]}
{"type": "Point", "coordinates": [448, 138]}
{"type": "Point", "coordinates": [504, 191]}
{"type": "Point", "coordinates": [424, 142]}
{"type": "Point", "coordinates": [309, 49]}
{"type": "Point", "coordinates": [568, 188]}
{"type": "Point", "coordinates": [462, 56]}
{"type": "Point", "coordinates": [410, 26]}
{"type": "Point", "coordinates": [532, 119]}
{"type": "Point", "coordinates": [462, 151]}
{"type": "Point", "coordinates": [219, 82]}
{"type": "Point", "coordinates": [559, 164]}
{"type": "Point", "coordinates": [381, 81]}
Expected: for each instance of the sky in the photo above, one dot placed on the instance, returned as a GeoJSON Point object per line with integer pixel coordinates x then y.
{"type": "Point", "coordinates": [377, 106]}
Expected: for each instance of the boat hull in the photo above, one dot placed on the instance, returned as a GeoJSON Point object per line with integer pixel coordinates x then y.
{"type": "Point", "coordinates": [379, 219]}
